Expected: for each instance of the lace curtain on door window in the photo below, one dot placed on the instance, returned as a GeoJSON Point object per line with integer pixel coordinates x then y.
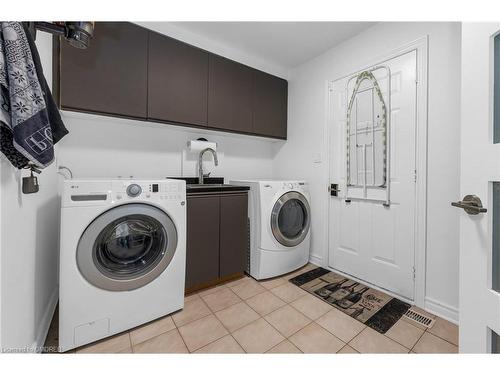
{"type": "Point", "coordinates": [367, 135]}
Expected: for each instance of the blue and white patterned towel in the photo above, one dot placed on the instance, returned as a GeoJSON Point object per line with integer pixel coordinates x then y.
{"type": "Point", "coordinates": [26, 135]}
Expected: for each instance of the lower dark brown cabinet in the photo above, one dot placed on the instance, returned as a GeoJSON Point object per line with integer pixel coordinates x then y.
{"type": "Point", "coordinates": [202, 246]}
{"type": "Point", "coordinates": [217, 238]}
{"type": "Point", "coordinates": [233, 230]}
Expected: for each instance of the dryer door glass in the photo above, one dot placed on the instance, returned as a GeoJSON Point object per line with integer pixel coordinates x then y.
{"type": "Point", "coordinates": [127, 247]}
{"type": "Point", "coordinates": [290, 219]}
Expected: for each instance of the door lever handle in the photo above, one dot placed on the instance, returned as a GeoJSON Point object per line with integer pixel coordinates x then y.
{"type": "Point", "coordinates": [471, 204]}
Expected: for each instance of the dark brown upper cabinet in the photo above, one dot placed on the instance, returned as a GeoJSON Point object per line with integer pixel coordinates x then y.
{"type": "Point", "coordinates": [177, 81]}
{"type": "Point", "coordinates": [229, 95]}
{"type": "Point", "coordinates": [110, 76]}
{"type": "Point", "coordinates": [132, 72]}
{"type": "Point", "coordinates": [270, 103]}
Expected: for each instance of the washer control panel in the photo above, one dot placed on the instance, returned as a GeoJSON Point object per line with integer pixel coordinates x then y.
{"type": "Point", "coordinates": [79, 192]}
{"type": "Point", "coordinates": [155, 190]}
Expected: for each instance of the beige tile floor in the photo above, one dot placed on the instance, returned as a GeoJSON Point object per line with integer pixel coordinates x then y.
{"type": "Point", "coordinates": [273, 316]}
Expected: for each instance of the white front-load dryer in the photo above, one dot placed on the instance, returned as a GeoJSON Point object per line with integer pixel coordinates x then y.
{"type": "Point", "coordinates": [122, 256]}
{"type": "Point", "coordinates": [280, 220]}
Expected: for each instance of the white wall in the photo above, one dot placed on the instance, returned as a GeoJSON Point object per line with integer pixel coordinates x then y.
{"type": "Point", "coordinates": [29, 247]}
{"type": "Point", "coordinates": [218, 48]}
{"type": "Point", "coordinates": [306, 136]}
{"type": "Point", "coordinates": [99, 146]}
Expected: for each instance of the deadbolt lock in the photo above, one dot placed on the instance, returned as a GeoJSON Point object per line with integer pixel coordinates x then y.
{"type": "Point", "coordinates": [334, 190]}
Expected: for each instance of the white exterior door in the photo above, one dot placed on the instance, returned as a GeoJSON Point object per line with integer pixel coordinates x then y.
{"type": "Point", "coordinates": [480, 176]}
{"type": "Point", "coordinates": [368, 240]}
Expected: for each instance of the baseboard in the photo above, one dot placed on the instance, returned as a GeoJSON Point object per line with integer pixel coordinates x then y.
{"type": "Point", "coordinates": [44, 326]}
{"type": "Point", "coordinates": [441, 309]}
{"type": "Point", "coordinates": [316, 260]}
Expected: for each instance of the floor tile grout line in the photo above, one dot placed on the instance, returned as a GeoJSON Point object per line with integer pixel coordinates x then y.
{"type": "Point", "coordinates": [211, 342]}
{"type": "Point", "coordinates": [259, 314]}
{"type": "Point", "coordinates": [228, 331]}
{"type": "Point", "coordinates": [383, 334]}
{"type": "Point", "coordinates": [343, 348]}
{"type": "Point", "coordinates": [227, 328]}
{"type": "Point", "coordinates": [359, 333]}
{"type": "Point", "coordinates": [253, 321]}
{"type": "Point", "coordinates": [154, 336]}
{"type": "Point", "coordinates": [215, 316]}
{"type": "Point", "coordinates": [130, 341]}
{"type": "Point", "coordinates": [416, 342]}
{"type": "Point", "coordinates": [442, 338]}
{"type": "Point", "coordinates": [274, 295]}
{"type": "Point", "coordinates": [187, 347]}
{"type": "Point", "coordinates": [213, 311]}
{"type": "Point", "coordinates": [349, 347]}
{"type": "Point", "coordinates": [281, 342]}
{"type": "Point", "coordinates": [183, 341]}
{"type": "Point", "coordinates": [411, 350]}
{"type": "Point", "coordinates": [192, 321]}
{"type": "Point", "coordinates": [322, 315]}
{"type": "Point", "coordinates": [313, 322]}
{"type": "Point", "coordinates": [258, 294]}
{"type": "Point", "coordinates": [310, 320]}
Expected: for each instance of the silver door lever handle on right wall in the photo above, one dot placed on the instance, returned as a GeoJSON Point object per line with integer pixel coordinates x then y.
{"type": "Point", "coordinates": [471, 204]}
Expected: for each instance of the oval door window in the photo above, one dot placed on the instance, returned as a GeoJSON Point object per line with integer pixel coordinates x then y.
{"type": "Point", "coordinates": [290, 219]}
{"type": "Point", "coordinates": [127, 247]}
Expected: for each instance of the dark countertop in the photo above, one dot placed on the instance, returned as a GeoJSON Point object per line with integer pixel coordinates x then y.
{"type": "Point", "coordinates": [210, 185]}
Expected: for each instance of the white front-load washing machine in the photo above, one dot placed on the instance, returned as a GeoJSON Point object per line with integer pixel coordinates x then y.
{"type": "Point", "coordinates": [122, 256]}
{"type": "Point", "coordinates": [280, 218]}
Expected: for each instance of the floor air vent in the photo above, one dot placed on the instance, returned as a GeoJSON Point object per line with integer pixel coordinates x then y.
{"type": "Point", "coordinates": [420, 318]}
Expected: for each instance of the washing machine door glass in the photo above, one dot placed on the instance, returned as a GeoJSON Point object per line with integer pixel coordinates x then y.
{"type": "Point", "coordinates": [290, 219]}
{"type": "Point", "coordinates": [127, 247]}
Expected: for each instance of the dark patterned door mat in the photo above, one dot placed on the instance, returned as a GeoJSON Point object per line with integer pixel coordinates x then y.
{"type": "Point", "coordinates": [374, 308]}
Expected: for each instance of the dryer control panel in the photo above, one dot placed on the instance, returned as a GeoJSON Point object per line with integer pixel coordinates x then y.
{"type": "Point", "coordinates": [294, 185]}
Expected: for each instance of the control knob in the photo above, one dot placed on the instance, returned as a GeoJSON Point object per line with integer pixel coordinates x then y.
{"type": "Point", "coordinates": [134, 190]}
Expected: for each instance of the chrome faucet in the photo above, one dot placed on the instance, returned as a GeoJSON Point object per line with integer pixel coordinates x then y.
{"type": "Point", "coordinates": [200, 163]}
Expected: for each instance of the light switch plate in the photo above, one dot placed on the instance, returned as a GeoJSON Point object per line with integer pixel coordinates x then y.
{"type": "Point", "coordinates": [316, 157]}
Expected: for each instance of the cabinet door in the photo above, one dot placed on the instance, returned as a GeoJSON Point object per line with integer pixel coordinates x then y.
{"type": "Point", "coordinates": [177, 81]}
{"type": "Point", "coordinates": [233, 234]}
{"type": "Point", "coordinates": [110, 76]}
{"type": "Point", "coordinates": [270, 98]}
{"type": "Point", "coordinates": [202, 247]}
{"type": "Point", "coordinates": [229, 95]}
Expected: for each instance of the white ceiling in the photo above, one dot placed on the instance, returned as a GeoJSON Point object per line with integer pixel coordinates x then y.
{"type": "Point", "coordinates": [286, 44]}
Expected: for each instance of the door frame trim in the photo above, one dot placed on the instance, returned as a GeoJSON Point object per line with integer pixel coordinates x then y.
{"type": "Point", "coordinates": [421, 46]}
